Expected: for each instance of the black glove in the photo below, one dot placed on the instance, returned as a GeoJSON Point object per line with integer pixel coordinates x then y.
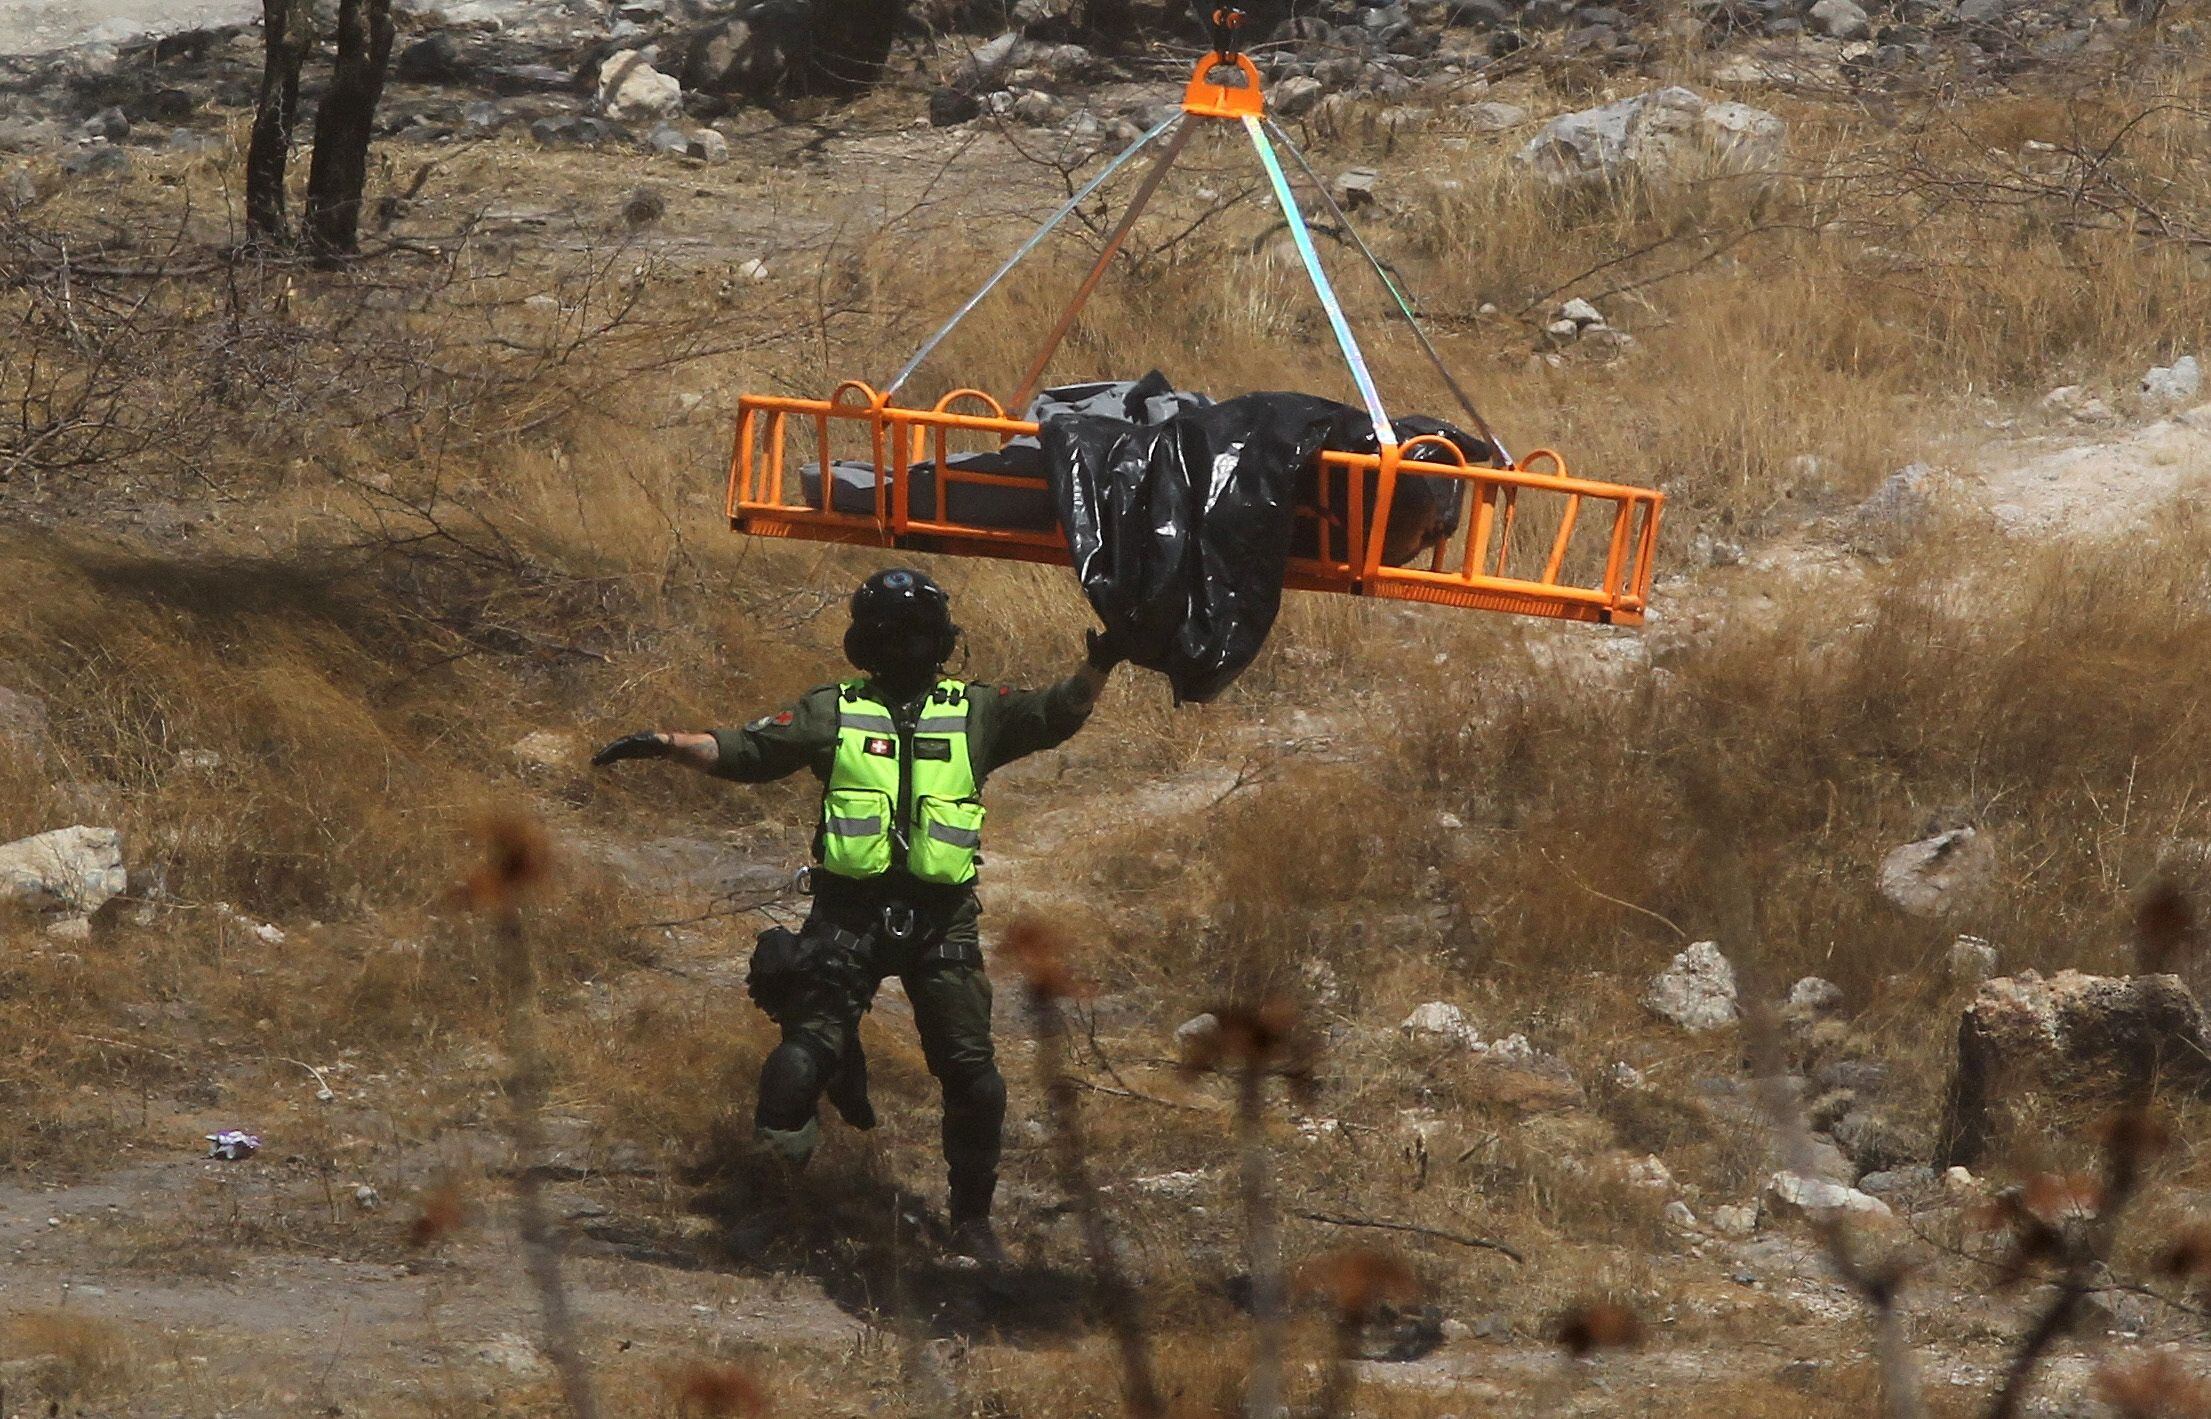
{"type": "Point", "coordinates": [644, 744]}
{"type": "Point", "coordinates": [1103, 650]}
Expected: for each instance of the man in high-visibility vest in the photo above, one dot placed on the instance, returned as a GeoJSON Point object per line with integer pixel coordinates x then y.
{"type": "Point", "coordinates": [902, 754]}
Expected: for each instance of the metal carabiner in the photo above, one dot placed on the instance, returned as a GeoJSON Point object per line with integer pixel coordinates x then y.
{"type": "Point", "coordinates": [898, 922]}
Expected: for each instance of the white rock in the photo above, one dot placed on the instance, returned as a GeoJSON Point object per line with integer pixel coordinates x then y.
{"type": "Point", "coordinates": [2172, 384]}
{"type": "Point", "coordinates": [1495, 117]}
{"type": "Point", "coordinates": [1938, 875]}
{"type": "Point", "coordinates": [1669, 136]}
{"type": "Point", "coordinates": [1514, 1048]}
{"type": "Point", "coordinates": [1627, 1076]}
{"type": "Point", "coordinates": [1696, 991]}
{"type": "Point", "coordinates": [1971, 961]}
{"type": "Point", "coordinates": [988, 60]}
{"type": "Point", "coordinates": [1581, 312]}
{"type": "Point", "coordinates": [367, 1198]}
{"type": "Point", "coordinates": [1790, 1195]}
{"type": "Point", "coordinates": [753, 270]}
{"type": "Point", "coordinates": [1440, 1020]}
{"type": "Point", "coordinates": [631, 89]}
{"type": "Point", "coordinates": [73, 871]}
{"type": "Point", "coordinates": [1562, 331]}
{"type": "Point", "coordinates": [1678, 1214]}
{"type": "Point", "coordinates": [261, 931]}
{"type": "Point", "coordinates": [1960, 1182]}
{"type": "Point", "coordinates": [1652, 1173]}
{"type": "Point", "coordinates": [1814, 996]}
{"type": "Point", "coordinates": [1840, 19]}
{"type": "Point", "coordinates": [1734, 1220]}
{"type": "Point", "coordinates": [1034, 106]}
{"type": "Point", "coordinates": [70, 930]}
{"type": "Point", "coordinates": [1172, 1185]}
{"type": "Point", "coordinates": [1196, 1031]}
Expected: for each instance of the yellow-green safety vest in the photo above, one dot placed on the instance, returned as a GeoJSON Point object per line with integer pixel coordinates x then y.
{"type": "Point", "coordinates": [903, 798]}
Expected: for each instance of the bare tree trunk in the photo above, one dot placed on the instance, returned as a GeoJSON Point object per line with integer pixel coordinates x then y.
{"type": "Point", "coordinates": [288, 28]}
{"type": "Point", "coordinates": [344, 124]}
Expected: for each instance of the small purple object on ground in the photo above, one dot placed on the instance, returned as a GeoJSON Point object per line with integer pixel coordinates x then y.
{"type": "Point", "coordinates": [232, 1144]}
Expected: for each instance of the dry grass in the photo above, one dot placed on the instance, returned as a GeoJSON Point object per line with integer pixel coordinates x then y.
{"type": "Point", "coordinates": [300, 723]}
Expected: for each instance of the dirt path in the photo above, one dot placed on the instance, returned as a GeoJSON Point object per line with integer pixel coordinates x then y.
{"type": "Point", "coordinates": [36, 26]}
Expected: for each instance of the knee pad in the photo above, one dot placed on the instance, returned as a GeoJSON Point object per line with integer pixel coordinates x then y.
{"type": "Point", "coordinates": [790, 1086]}
{"type": "Point", "coordinates": [980, 1091]}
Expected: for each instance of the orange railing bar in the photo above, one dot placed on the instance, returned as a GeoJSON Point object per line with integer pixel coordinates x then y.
{"type": "Point", "coordinates": [757, 501]}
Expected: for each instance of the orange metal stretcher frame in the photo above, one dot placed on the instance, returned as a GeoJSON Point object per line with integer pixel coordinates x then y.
{"type": "Point", "coordinates": [1350, 533]}
{"type": "Point", "coordinates": [1349, 540]}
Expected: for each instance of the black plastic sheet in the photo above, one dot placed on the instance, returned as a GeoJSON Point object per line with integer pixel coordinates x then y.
{"type": "Point", "coordinates": [1180, 530]}
{"type": "Point", "coordinates": [1181, 517]}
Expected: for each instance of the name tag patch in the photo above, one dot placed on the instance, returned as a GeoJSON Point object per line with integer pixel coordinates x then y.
{"type": "Point", "coordinates": [932, 748]}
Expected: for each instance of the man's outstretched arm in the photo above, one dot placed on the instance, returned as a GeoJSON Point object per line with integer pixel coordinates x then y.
{"type": "Point", "coordinates": [699, 751]}
{"type": "Point", "coordinates": [768, 748]}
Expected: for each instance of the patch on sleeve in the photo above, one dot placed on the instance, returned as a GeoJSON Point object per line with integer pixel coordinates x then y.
{"type": "Point", "coordinates": [781, 720]}
{"type": "Point", "coordinates": [1004, 690]}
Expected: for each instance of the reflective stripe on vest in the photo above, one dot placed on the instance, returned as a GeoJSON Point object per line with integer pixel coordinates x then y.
{"type": "Point", "coordinates": [908, 800]}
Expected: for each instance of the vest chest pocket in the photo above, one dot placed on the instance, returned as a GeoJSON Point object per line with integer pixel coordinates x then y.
{"type": "Point", "coordinates": [856, 832]}
{"type": "Point", "coordinates": [947, 840]}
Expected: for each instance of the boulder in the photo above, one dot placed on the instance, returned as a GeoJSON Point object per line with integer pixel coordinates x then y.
{"type": "Point", "coordinates": [433, 59]}
{"type": "Point", "coordinates": [1813, 997]}
{"type": "Point", "coordinates": [1697, 990]}
{"type": "Point", "coordinates": [1495, 117]}
{"type": "Point", "coordinates": [1196, 1032]}
{"type": "Point", "coordinates": [97, 160]}
{"type": "Point", "coordinates": [1664, 138]}
{"type": "Point", "coordinates": [1356, 187]}
{"type": "Point", "coordinates": [69, 871]}
{"type": "Point", "coordinates": [1791, 1195]}
{"type": "Point", "coordinates": [948, 106]}
{"type": "Point", "coordinates": [1891, 513]}
{"type": "Point", "coordinates": [1971, 961]}
{"type": "Point", "coordinates": [986, 63]}
{"type": "Point", "coordinates": [1840, 19]}
{"type": "Point", "coordinates": [1037, 108]}
{"type": "Point", "coordinates": [111, 125]}
{"type": "Point", "coordinates": [1734, 1220]}
{"type": "Point", "coordinates": [1939, 875]}
{"type": "Point", "coordinates": [2168, 385]}
{"type": "Point", "coordinates": [579, 130]}
{"type": "Point", "coordinates": [2075, 1035]}
{"type": "Point", "coordinates": [1295, 96]}
{"type": "Point", "coordinates": [1439, 1020]}
{"type": "Point", "coordinates": [1825, 1161]}
{"type": "Point", "coordinates": [1910, 1180]}
{"type": "Point", "coordinates": [22, 722]}
{"type": "Point", "coordinates": [1873, 1143]}
{"type": "Point", "coordinates": [1581, 312]}
{"type": "Point", "coordinates": [631, 89]}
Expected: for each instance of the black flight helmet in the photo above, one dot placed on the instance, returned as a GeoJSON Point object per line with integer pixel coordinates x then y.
{"type": "Point", "coordinates": [901, 626]}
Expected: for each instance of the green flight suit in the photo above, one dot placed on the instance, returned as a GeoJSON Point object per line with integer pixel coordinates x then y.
{"type": "Point", "coordinates": [939, 962]}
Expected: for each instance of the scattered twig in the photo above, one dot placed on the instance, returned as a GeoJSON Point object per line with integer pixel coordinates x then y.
{"type": "Point", "coordinates": [1377, 1224]}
